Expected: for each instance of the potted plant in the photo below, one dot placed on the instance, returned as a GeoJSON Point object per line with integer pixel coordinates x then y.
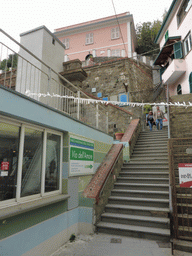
{"type": "Point", "coordinates": [119, 135]}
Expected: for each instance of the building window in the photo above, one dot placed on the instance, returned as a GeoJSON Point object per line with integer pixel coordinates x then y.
{"type": "Point", "coordinates": [9, 148]}
{"type": "Point", "coordinates": [187, 44]}
{"type": "Point", "coordinates": [190, 82]}
{"type": "Point", "coordinates": [116, 53]}
{"type": "Point", "coordinates": [52, 172]}
{"type": "Point", "coordinates": [179, 89]}
{"type": "Point", "coordinates": [183, 11]}
{"type": "Point", "coordinates": [115, 33]}
{"type": "Point", "coordinates": [89, 38]}
{"type": "Point", "coordinates": [30, 160]}
{"type": "Point", "coordinates": [66, 43]}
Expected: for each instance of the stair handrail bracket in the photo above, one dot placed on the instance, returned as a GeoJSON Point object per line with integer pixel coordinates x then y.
{"type": "Point", "coordinates": [103, 180]}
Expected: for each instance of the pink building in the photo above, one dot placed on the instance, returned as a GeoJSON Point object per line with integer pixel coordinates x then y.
{"type": "Point", "coordinates": [175, 57]}
{"type": "Point", "coordinates": [110, 36]}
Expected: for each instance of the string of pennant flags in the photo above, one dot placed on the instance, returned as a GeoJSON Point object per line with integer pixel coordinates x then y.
{"type": "Point", "coordinates": [88, 101]}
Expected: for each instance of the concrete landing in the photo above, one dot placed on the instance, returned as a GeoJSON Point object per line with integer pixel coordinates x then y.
{"type": "Point", "coordinates": [112, 245]}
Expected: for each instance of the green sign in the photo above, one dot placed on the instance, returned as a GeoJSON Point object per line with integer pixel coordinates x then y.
{"type": "Point", "coordinates": [81, 154]}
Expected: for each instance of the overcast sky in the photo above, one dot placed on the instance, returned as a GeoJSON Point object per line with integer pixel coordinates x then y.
{"type": "Point", "coordinates": [18, 16]}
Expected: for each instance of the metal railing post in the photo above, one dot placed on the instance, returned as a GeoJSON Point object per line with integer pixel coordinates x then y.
{"type": "Point", "coordinates": [107, 122]}
{"type": "Point", "coordinates": [168, 118]}
{"type": "Point", "coordinates": [48, 84]}
{"type": "Point", "coordinates": [97, 115]}
{"type": "Point", "coordinates": [78, 105]}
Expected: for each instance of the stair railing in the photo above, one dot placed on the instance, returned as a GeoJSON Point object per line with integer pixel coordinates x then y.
{"type": "Point", "coordinates": [37, 80]}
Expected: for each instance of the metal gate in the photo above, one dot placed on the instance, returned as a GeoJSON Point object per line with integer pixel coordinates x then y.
{"type": "Point", "coordinates": [180, 151]}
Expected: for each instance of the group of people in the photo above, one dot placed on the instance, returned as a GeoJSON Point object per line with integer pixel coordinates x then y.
{"type": "Point", "coordinates": [155, 118]}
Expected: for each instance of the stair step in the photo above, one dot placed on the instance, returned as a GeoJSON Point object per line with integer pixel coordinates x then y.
{"type": "Point", "coordinates": [161, 203]}
{"type": "Point", "coordinates": [149, 151]}
{"type": "Point", "coordinates": [144, 164]}
{"type": "Point", "coordinates": [150, 147]}
{"type": "Point", "coordinates": [152, 142]}
{"type": "Point", "coordinates": [152, 154]}
{"type": "Point", "coordinates": [151, 138]}
{"type": "Point", "coordinates": [137, 210]}
{"type": "Point", "coordinates": [140, 193]}
{"type": "Point", "coordinates": [150, 157]}
{"type": "Point", "coordinates": [185, 231]}
{"type": "Point", "coordinates": [185, 246]}
{"type": "Point", "coordinates": [146, 221]}
{"type": "Point", "coordinates": [134, 231]}
{"type": "Point", "coordinates": [144, 174]}
{"type": "Point", "coordinates": [145, 168]}
{"type": "Point", "coordinates": [138, 186]}
{"type": "Point", "coordinates": [143, 180]}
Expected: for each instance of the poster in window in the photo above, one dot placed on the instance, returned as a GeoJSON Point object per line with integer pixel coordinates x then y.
{"type": "Point", "coordinates": [185, 175]}
{"type": "Point", "coordinates": [81, 156]}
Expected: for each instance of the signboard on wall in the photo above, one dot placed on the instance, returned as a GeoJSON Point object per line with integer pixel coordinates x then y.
{"type": "Point", "coordinates": [81, 156]}
{"type": "Point", "coordinates": [185, 175]}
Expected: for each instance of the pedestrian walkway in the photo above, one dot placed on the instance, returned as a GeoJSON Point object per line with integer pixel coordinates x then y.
{"type": "Point", "coordinates": [104, 244]}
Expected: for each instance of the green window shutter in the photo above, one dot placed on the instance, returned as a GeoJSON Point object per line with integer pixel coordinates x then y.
{"type": "Point", "coordinates": [166, 35]}
{"type": "Point", "coordinates": [178, 53]}
{"type": "Point", "coordinates": [190, 82]}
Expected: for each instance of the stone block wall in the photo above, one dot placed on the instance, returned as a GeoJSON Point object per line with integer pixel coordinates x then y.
{"type": "Point", "coordinates": [120, 76]}
{"type": "Point", "coordinates": [180, 117]}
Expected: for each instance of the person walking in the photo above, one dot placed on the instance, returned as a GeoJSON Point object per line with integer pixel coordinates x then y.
{"type": "Point", "coordinates": [159, 116]}
{"type": "Point", "coordinates": [150, 120]}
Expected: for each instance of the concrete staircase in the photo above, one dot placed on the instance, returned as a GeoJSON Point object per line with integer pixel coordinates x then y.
{"type": "Point", "coordinates": [139, 203]}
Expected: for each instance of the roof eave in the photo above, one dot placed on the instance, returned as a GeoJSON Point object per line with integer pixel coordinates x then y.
{"type": "Point", "coordinates": [165, 20]}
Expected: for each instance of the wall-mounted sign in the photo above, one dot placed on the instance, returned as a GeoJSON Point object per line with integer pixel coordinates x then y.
{"type": "Point", "coordinates": [81, 156]}
{"type": "Point", "coordinates": [185, 175]}
{"type": "Point", "coordinates": [4, 166]}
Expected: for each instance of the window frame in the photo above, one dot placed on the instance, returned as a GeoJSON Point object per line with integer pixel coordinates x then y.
{"type": "Point", "coordinates": [181, 13]}
{"type": "Point", "coordinates": [18, 199]}
{"type": "Point", "coordinates": [179, 89]}
{"type": "Point", "coordinates": [115, 33]}
{"type": "Point", "coordinates": [114, 53]}
{"type": "Point", "coordinates": [187, 42]}
{"type": "Point", "coordinates": [89, 38]}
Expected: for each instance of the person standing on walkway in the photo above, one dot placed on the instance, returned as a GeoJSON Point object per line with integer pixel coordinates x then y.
{"type": "Point", "coordinates": [150, 120]}
{"type": "Point", "coordinates": [159, 116]}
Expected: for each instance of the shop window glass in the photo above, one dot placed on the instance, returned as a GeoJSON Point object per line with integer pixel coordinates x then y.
{"type": "Point", "coordinates": [9, 145]}
{"type": "Point", "coordinates": [32, 162]}
{"type": "Point", "coordinates": [52, 172]}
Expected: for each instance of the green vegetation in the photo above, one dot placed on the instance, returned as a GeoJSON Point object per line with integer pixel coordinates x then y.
{"type": "Point", "coordinates": [10, 62]}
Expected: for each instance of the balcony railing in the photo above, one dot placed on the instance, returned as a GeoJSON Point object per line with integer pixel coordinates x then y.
{"type": "Point", "coordinates": [24, 72]}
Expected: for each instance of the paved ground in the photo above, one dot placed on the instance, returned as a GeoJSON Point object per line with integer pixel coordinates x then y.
{"type": "Point", "coordinates": [101, 245]}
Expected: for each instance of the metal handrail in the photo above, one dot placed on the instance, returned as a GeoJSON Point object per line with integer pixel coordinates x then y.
{"type": "Point", "coordinates": [42, 62]}
{"type": "Point", "coordinates": [64, 85]}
